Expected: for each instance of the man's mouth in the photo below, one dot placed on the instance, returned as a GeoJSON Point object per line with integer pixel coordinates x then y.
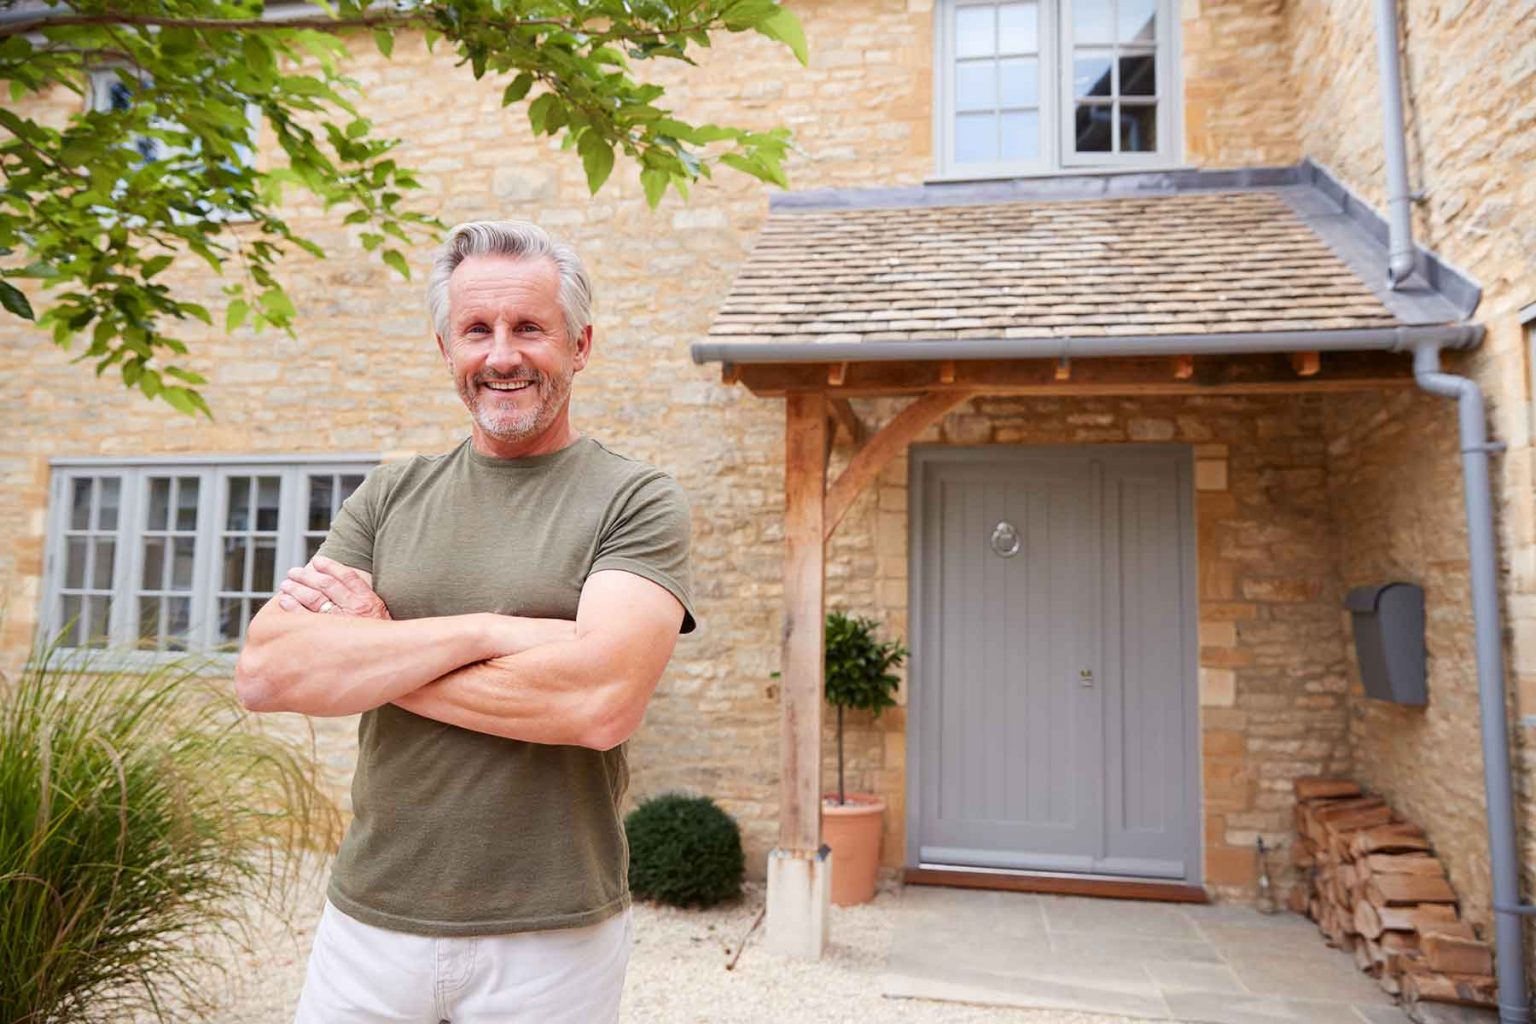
{"type": "Point", "coordinates": [506, 385]}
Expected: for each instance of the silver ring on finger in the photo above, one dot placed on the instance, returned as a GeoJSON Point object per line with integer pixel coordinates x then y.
{"type": "Point", "coordinates": [328, 607]}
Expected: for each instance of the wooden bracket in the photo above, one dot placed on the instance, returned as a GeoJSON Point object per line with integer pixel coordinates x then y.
{"type": "Point", "coordinates": [1063, 369]}
{"type": "Point", "coordinates": [730, 373]}
{"type": "Point", "coordinates": [947, 372]}
{"type": "Point", "coordinates": [1306, 364]}
{"type": "Point", "coordinates": [881, 448]}
{"type": "Point", "coordinates": [1183, 367]}
{"type": "Point", "coordinates": [836, 374]}
{"type": "Point", "coordinates": [843, 415]}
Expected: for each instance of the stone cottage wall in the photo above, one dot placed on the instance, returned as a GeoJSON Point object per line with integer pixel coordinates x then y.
{"type": "Point", "coordinates": [1470, 75]}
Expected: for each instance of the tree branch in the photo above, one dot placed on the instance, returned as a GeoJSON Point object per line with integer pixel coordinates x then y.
{"type": "Point", "coordinates": [383, 18]}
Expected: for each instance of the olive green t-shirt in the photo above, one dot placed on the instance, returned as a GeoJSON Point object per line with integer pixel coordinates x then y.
{"type": "Point", "coordinates": [458, 832]}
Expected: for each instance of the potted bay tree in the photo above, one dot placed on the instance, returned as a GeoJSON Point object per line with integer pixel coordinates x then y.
{"type": "Point", "coordinates": [859, 677]}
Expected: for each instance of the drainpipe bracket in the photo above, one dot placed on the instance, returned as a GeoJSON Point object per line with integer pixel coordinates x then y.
{"type": "Point", "coordinates": [1492, 448]}
{"type": "Point", "coordinates": [1516, 908]}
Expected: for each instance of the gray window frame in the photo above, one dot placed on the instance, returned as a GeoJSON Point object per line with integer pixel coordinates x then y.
{"type": "Point", "coordinates": [212, 472]}
{"type": "Point", "coordinates": [1056, 104]}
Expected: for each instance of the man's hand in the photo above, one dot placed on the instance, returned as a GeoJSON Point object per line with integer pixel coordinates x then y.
{"type": "Point", "coordinates": [325, 585]}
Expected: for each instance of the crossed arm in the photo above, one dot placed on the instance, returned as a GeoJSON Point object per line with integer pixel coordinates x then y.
{"type": "Point", "coordinates": [541, 680]}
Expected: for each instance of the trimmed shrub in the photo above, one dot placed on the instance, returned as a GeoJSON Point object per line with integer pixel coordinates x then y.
{"type": "Point", "coordinates": [685, 851]}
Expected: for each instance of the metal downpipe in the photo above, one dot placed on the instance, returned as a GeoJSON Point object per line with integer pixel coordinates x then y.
{"type": "Point", "coordinates": [1401, 257]}
{"type": "Point", "coordinates": [1514, 1000]}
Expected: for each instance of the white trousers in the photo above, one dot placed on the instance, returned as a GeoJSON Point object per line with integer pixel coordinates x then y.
{"type": "Point", "coordinates": [360, 974]}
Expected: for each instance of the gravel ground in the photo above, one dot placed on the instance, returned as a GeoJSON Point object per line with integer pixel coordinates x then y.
{"type": "Point", "coordinates": [676, 975]}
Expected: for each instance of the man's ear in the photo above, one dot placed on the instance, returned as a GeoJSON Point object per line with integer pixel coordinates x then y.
{"type": "Point", "coordinates": [583, 348]}
{"type": "Point", "coordinates": [442, 347]}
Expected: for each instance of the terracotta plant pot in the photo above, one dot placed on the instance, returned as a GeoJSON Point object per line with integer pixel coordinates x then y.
{"type": "Point", "coordinates": [853, 830]}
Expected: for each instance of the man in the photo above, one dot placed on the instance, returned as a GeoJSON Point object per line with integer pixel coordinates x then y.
{"type": "Point", "coordinates": [500, 615]}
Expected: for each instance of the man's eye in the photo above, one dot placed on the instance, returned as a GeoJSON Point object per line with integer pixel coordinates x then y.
{"type": "Point", "coordinates": [528, 327]}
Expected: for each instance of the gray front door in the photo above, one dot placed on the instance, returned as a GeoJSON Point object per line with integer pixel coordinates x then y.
{"type": "Point", "coordinates": [1053, 678]}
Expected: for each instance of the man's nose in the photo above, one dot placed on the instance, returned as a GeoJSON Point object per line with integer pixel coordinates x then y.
{"type": "Point", "coordinates": [505, 356]}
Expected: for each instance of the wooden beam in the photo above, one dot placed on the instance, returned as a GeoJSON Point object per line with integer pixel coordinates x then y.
{"type": "Point", "coordinates": [890, 441]}
{"type": "Point", "coordinates": [1307, 363]}
{"type": "Point", "coordinates": [1213, 375]}
{"type": "Point", "coordinates": [835, 374]}
{"type": "Point", "coordinates": [805, 478]}
{"type": "Point", "coordinates": [1183, 367]}
{"type": "Point", "coordinates": [843, 414]}
{"type": "Point", "coordinates": [947, 372]}
{"type": "Point", "coordinates": [960, 878]}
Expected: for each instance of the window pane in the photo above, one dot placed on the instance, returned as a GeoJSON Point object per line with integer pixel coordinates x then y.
{"type": "Point", "coordinates": [239, 515]}
{"type": "Point", "coordinates": [975, 138]}
{"type": "Point", "coordinates": [181, 563]}
{"type": "Point", "coordinates": [1091, 76]}
{"type": "Point", "coordinates": [230, 618]}
{"type": "Point", "coordinates": [186, 503]}
{"type": "Point", "coordinates": [98, 618]}
{"type": "Point", "coordinates": [1138, 128]}
{"type": "Point", "coordinates": [159, 502]}
{"type": "Point", "coordinates": [1021, 82]}
{"type": "Point", "coordinates": [263, 565]}
{"type": "Point", "coordinates": [101, 567]}
{"type": "Point", "coordinates": [1021, 135]}
{"type": "Point", "coordinates": [312, 545]}
{"type": "Point", "coordinates": [69, 620]}
{"type": "Point", "coordinates": [74, 563]}
{"type": "Point", "coordinates": [107, 500]}
{"type": "Point", "coordinates": [268, 490]}
{"type": "Point", "coordinates": [178, 611]}
{"type": "Point", "coordinates": [1138, 21]}
{"type": "Point", "coordinates": [149, 621]}
{"type": "Point", "coordinates": [974, 31]}
{"type": "Point", "coordinates": [1091, 21]}
{"type": "Point", "coordinates": [1138, 75]}
{"type": "Point", "coordinates": [1093, 128]}
{"type": "Point", "coordinates": [976, 86]}
{"type": "Point", "coordinates": [1016, 29]}
{"type": "Point", "coordinates": [320, 491]}
{"type": "Point", "coordinates": [349, 484]}
{"type": "Point", "coordinates": [80, 503]}
{"type": "Point", "coordinates": [154, 563]}
{"type": "Point", "coordinates": [234, 563]}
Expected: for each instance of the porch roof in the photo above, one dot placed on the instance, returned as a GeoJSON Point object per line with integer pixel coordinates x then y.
{"type": "Point", "coordinates": [1196, 253]}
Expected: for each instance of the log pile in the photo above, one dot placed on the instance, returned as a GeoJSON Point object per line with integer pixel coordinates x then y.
{"type": "Point", "coordinates": [1376, 890]}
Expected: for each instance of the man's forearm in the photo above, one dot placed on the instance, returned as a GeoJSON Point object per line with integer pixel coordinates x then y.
{"type": "Point", "coordinates": [329, 665]}
{"type": "Point", "coordinates": [558, 693]}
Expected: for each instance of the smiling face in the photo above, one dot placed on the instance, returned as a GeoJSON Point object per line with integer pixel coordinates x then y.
{"type": "Point", "coordinates": [511, 358]}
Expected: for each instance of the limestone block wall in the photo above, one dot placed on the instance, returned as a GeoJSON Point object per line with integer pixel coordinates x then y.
{"type": "Point", "coordinates": [1469, 78]}
{"type": "Point", "coordinates": [1272, 671]}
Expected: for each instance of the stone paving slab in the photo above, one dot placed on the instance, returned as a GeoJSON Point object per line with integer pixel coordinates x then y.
{"type": "Point", "coordinates": [1159, 961]}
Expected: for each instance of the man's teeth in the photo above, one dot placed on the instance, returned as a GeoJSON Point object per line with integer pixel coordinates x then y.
{"type": "Point", "coordinates": [507, 385]}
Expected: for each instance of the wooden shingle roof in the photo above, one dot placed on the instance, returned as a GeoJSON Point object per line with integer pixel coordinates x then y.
{"type": "Point", "coordinates": [1183, 263]}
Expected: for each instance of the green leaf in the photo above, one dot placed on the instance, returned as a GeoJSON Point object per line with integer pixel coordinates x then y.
{"type": "Point", "coordinates": [517, 89]}
{"type": "Point", "coordinates": [384, 40]}
{"type": "Point", "coordinates": [179, 399]}
{"type": "Point", "coordinates": [186, 375]}
{"type": "Point", "coordinates": [786, 28]}
{"type": "Point", "coordinates": [154, 266]}
{"type": "Point", "coordinates": [15, 302]}
{"type": "Point", "coordinates": [276, 304]}
{"type": "Point", "coordinates": [397, 261]}
{"type": "Point", "coordinates": [235, 315]}
{"type": "Point", "coordinates": [596, 158]}
{"type": "Point", "coordinates": [655, 183]}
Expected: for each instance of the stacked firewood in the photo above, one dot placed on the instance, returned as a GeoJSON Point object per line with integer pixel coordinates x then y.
{"type": "Point", "coordinates": [1375, 889]}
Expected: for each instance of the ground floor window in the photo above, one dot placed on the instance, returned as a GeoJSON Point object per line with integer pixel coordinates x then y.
{"type": "Point", "coordinates": [177, 555]}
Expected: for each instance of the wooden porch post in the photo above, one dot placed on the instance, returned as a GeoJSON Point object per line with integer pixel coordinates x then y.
{"type": "Point", "coordinates": [799, 872]}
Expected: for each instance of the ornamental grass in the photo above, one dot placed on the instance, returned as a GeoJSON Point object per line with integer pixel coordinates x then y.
{"type": "Point", "coordinates": [141, 812]}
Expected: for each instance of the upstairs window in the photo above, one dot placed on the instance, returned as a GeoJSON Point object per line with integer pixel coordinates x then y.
{"type": "Point", "coordinates": [177, 555]}
{"type": "Point", "coordinates": [1039, 86]}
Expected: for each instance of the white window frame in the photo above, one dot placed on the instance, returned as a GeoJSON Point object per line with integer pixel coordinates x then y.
{"type": "Point", "coordinates": [1057, 108]}
{"type": "Point", "coordinates": [294, 473]}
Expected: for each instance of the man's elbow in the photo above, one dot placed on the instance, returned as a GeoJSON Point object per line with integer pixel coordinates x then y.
{"type": "Point", "coordinates": [253, 687]}
{"type": "Point", "coordinates": [613, 720]}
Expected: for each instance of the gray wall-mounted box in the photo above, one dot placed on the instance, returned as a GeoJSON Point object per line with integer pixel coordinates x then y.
{"type": "Point", "coordinates": [1389, 641]}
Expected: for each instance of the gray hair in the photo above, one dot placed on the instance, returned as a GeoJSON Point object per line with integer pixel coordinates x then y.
{"type": "Point", "coordinates": [521, 240]}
